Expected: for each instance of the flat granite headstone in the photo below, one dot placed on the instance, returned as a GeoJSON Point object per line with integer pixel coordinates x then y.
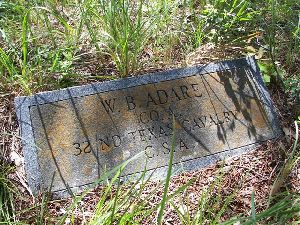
{"type": "Point", "coordinates": [71, 136]}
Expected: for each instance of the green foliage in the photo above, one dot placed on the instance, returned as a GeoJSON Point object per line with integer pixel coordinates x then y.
{"type": "Point", "coordinates": [285, 211]}
{"type": "Point", "coordinates": [290, 162]}
{"type": "Point", "coordinates": [222, 20]}
{"type": "Point", "coordinates": [169, 27]}
{"type": "Point", "coordinates": [124, 28]}
{"type": "Point", "coordinates": [7, 191]}
{"type": "Point", "coordinates": [292, 85]}
{"type": "Point", "coordinates": [43, 40]}
{"type": "Point", "coordinates": [280, 24]}
{"type": "Point", "coordinates": [34, 47]}
{"type": "Point", "coordinates": [168, 178]}
{"type": "Point", "coordinates": [270, 71]}
{"type": "Point", "coordinates": [283, 207]}
{"type": "Point", "coordinates": [211, 206]}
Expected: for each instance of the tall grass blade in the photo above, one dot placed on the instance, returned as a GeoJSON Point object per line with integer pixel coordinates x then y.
{"type": "Point", "coordinates": [289, 164]}
{"type": "Point", "coordinates": [25, 43]}
{"type": "Point", "coordinates": [168, 178]}
{"type": "Point", "coordinates": [253, 211]}
{"type": "Point", "coordinates": [7, 63]}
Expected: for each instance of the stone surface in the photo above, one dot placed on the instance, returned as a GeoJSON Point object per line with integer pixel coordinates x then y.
{"type": "Point", "coordinates": [72, 136]}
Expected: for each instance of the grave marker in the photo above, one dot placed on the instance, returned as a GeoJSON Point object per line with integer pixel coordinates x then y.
{"type": "Point", "coordinates": [220, 110]}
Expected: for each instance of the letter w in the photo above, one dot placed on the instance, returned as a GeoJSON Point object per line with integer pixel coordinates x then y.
{"type": "Point", "coordinates": [109, 105]}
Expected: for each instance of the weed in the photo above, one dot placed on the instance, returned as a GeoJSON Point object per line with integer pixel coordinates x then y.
{"type": "Point", "coordinates": [210, 207]}
{"type": "Point", "coordinates": [220, 21]}
{"type": "Point", "coordinates": [168, 178]}
{"type": "Point", "coordinates": [7, 191]}
{"type": "Point", "coordinates": [26, 62]}
{"type": "Point", "coordinates": [124, 31]}
{"type": "Point", "coordinates": [293, 157]}
{"type": "Point", "coordinates": [285, 211]}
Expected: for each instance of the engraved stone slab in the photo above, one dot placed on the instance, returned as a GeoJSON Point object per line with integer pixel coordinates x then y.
{"type": "Point", "coordinates": [78, 133]}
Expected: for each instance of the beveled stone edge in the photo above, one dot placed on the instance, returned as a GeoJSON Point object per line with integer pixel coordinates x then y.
{"type": "Point", "coordinates": [32, 168]}
{"type": "Point", "coordinates": [113, 85]}
{"type": "Point", "coordinates": [23, 103]}
{"type": "Point", "coordinates": [265, 97]}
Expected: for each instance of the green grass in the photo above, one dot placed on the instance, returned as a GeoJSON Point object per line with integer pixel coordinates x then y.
{"type": "Point", "coordinates": [48, 44]}
{"type": "Point", "coordinates": [222, 21]}
{"type": "Point", "coordinates": [43, 42]}
{"type": "Point", "coordinates": [124, 30]}
{"type": "Point", "coordinates": [284, 211]}
{"type": "Point", "coordinates": [211, 205]}
{"type": "Point", "coordinates": [293, 155]}
{"type": "Point", "coordinates": [7, 194]}
{"type": "Point", "coordinates": [283, 205]}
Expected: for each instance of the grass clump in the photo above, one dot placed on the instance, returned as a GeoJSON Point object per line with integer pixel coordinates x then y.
{"type": "Point", "coordinates": [222, 21]}
{"type": "Point", "coordinates": [37, 48]}
{"type": "Point", "coordinates": [126, 28]}
{"type": "Point", "coordinates": [210, 207]}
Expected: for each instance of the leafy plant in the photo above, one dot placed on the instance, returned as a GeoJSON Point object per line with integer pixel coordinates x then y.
{"type": "Point", "coordinates": [270, 71]}
{"type": "Point", "coordinates": [221, 20]}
